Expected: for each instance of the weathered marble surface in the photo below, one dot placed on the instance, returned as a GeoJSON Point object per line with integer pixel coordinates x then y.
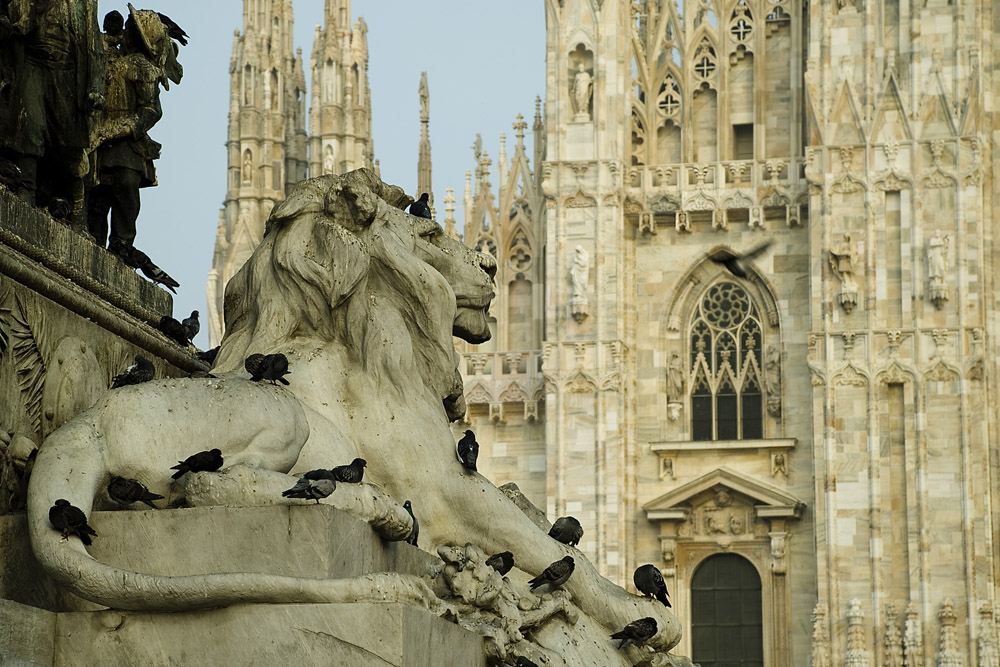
{"type": "Point", "coordinates": [363, 299]}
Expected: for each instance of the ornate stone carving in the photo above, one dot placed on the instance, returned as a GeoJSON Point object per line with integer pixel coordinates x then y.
{"type": "Point", "coordinates": [676, 380]}
{"type": "Point", "coordinates": [681, 222]}
{"type": "Point", "coordinates": [779, 465]}
{"type": "Point", "coordinates": [496, 413]}
{"type": "Point", "coordinates": [646, 225]}
{"type": "Point", "coordinates": [850, 376]}
{"type": "Point", "coordinates": [579, 199]}
{"type": "Point", "coordinates": [719, 220]}
{"type": "Point", "coordinates": [913, 642]}
{"type": "Point", "coordinates": [894, 373]}
{"type": "Point", "coordinates": [583, 86]}
{"type": "Point", "coordinates": [779, 557]}
{"type": "Point", "coordinates": [422, 288]}
{"type": "Point", "coordinates": [820, 646]}
{"type": "Point", "coordinates": [579, 272]}
{"type": "Point", "coordinates": [892, 642]}
{"type": "Point", "coordinates": [937, 268]}
{"type": "Point", "coordinates": [842, 259]}
{"type": "Point", "coordinates": [580, 383]}
{"type": "Point", "coordinates": [756, 218]}
{"type": "Point", "coordinates": [989, 652]}
{"type": "Point", "coordinates": [857, 655]}
{"type": "Point", "coordinates": [949, 654]}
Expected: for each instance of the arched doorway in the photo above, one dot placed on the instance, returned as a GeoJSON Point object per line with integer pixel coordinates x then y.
{"type": "Point", "coordinates": [726, 627]}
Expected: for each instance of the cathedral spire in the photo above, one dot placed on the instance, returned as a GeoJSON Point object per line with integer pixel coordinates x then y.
{"type": "Point", "coordinates": [424, 159]}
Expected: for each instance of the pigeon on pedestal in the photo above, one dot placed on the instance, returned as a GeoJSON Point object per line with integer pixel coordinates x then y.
{"type": "Point", "coordinates": [567, 530]}
{"type": "Point", "coordinates": [71, 521]}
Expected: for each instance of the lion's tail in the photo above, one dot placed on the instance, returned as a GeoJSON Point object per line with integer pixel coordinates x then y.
{"type": "Point", "coordinates": [72, 465]}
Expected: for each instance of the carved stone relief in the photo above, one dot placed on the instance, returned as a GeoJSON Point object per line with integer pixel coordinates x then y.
{"type": "Point", "coordinates": [937, 268]}
{"type": "Point", "coordinates": [579, 274]}
{"type": "Point", "coordinates": [842, 261]}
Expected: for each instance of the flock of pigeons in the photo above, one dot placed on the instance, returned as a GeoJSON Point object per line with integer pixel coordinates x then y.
{"type": "Point", "coordinates": [320, 483]}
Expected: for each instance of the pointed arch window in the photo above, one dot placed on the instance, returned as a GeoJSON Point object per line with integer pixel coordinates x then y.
{"type": "Point", "coordinates": [726, 339]}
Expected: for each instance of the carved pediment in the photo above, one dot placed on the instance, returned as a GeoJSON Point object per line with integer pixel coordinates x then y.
{"type": "Point", "coordinates": [580, 200]}
{"type": "Point", "coordinates": [774, 199]}
{"type": "Point", "coordinates": [514, 393]}
{"type": "Point", "coordinates": [738, 201]}
{"type": "Point", "coordinates": [720, 489]}
{"type": "Point", "coordinates": [701, 202]}
{"type": "Point", "coordinates": [664, 204]}
{"type": "Point", "coordinates": [478, 393]}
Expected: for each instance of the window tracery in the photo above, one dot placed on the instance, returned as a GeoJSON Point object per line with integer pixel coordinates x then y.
{"type": "Point", "coordinates": [726, 340]}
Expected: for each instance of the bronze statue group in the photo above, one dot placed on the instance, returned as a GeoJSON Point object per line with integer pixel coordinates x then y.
{"type": "Point", "coordinates": [76, 106]}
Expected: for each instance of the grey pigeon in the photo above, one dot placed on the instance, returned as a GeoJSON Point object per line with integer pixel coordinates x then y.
{"type": "Point", "coordinates": [127, 491]}
{"type": "Point", "coordinates": [200, 462]}
{"type": "Point", "coordinates": [415, 530]}
{"type": "Point", "coordinates": [71, 521]}
{"type": "Point", "coordinates": [567, 530]}
{"type": "Point", "coordinates": [313, 485]}
{"type": "Point", "coordinates": [208, 356]}
{"type": "Point", "coordinates": [649, 581]}
{"type": "Point", "coordinates": [140, 371]}
{"type": "Point", "coordinates": [737, 263]}
{"type": "Point", "coordinates": [114, 23]}
{"type": "Point", "coordinates": [174, 330]}
{"type": "Point", "coordinates": [421, 208]}
{"type": "Point", "coordinates": [139, 260]}
{"type": "Point", "coordinates": [173, 30]}
{"type": "Point", "coordinates": [501, 562]}
{"type": "Point", "coordinates": [468, 451]}
{"type": "Point", "coordinates": [275, 368]}
{"type": "Point", "coordinates": [636, 632]}
{"type": "Point", "coordinates": [191, 325]}
{"type": "Point", "coordinates": [555, 575]}
{"type": "Point", "coordinates": [271, 367]}
{"type": "Point", "coordinates": [352, 473]}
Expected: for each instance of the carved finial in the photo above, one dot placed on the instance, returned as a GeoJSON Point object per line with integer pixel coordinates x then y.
{"type": "Point", "coordinates": [538, 114]}
{"type": "Point", "coordinates": [857, 655]}
{"type": "Point", "coordinates": [913, 642]}
{"type": "Point", "coordinates": [820, 648]}
{"type": "Point", "coordinates": [893, 642]}
{"type": "Point", "coordinates": [450, 229]}
{"type": "Point", "coordinates": [519, 127]}
{"type": "Point", "coordinates": [502, 160]}
{"type": "Point", "coordinates": [948, 653]}
{"type": "Point", "coordinates": [989, 653]}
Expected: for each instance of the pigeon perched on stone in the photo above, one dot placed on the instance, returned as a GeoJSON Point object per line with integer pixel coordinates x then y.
{"type": "Point", "coordinates": [649, 581]}
{"type": "Point", "coordinates": [71, 521]}
{"type": "Point", "coordinates": [173, 30]}
{"type": "Point", "coordinates": [140, 261]}
{"type": "Point", "coordinates": [313, 485]}
{"type": "Point", "coordinates": [421, 208]}
{"type": "Point", "coordinates": [127, 491]}
{"type": "Point", "coordinates": [567, 530]}
{"type": "Point", "coordinates": [208, 356]}
{"type": "Point", "coordinates": [501, 562]}
{"type": "Point", "coordinates": [191, 325]}
{"type": "Point", "coordinates": [415, 530]}
{"type": "Point", "coordinates": [174, 330]}
{"type": "Point", "coordinates": [200, 462]}
{"type": "Point", "coordinates": [352, 473]}
{"type": "Point", "coordinates": [140, 371]}
{"type": "Point", "coordinates": [555, 575]}
{"type": "Point", "coordinates": [271, 367]}
{"type": "Point", "coordinates": [467, 450]}
{"type": "Point", "coordinates": [636, 632]}
{"type": "Point", "coordinates": [737, 263]}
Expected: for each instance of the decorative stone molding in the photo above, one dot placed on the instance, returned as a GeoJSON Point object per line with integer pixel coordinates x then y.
{"type": "Point", "coordinates": [989, 652]}
{"type": "Point", "coordinates": [580, 199]}
{"type": "Point", "coordinates": [850, 376]}
{"type": "Point", "coordinates": [819, 649]}
{"type": "Point", "coordinates": [894, 373]}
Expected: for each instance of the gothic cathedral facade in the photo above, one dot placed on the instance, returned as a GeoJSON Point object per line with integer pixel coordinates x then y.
{"type": "Point", "coordinates": [804, 440]}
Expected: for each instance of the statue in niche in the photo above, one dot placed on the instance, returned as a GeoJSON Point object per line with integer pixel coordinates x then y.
{"type": "Point", "coordinates": [675, 385]}
{"type": "Point", "coordinates": [772, 380]}
{"type": "Point", "coordinates": [247, 167]}
{"type": "Point", "coordinates": [579, 273]}
{"type": "Point", "coordinates": [328, 161]}
{"type": "Point", "coordinates": [842, 260]}
{"type": "Point", "coordinates": [937, 257]}
{"type": "Point", "coordinates": [779, 466]}
{"type": "Point", "coordinates": [582, 88]}
{"type": "Point", "coordinates": [373, 288]}
{"type": "Point", "coordinates": [52, 65]}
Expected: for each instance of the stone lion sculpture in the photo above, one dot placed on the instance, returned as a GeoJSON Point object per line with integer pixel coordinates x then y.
{"type": "Point", "coordinates": [364, 300]}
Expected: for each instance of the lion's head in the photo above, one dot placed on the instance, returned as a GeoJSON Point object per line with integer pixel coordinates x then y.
{"type": "Point", "coordinates": [341, 262]}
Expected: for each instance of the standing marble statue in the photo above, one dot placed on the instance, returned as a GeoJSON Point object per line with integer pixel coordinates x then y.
{"type": "Point", "coordinates": [937, 257]}
{"type": "Point", "coordinates": [124, 152]}
{"type": "Point", "coordinates": [582, 87]}
{"type": "Point", "coordinates": [675, 386]}
{"type": "Point", "coordinates": [579, 273]}
{"type": "Point", "coordinates": [55, 66]}
{"type": "Point", "coordinates": [842, 264]}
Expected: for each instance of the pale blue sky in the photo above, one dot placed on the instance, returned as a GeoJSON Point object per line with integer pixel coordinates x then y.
{"type": "Point", "coordinates": [485, 63]}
